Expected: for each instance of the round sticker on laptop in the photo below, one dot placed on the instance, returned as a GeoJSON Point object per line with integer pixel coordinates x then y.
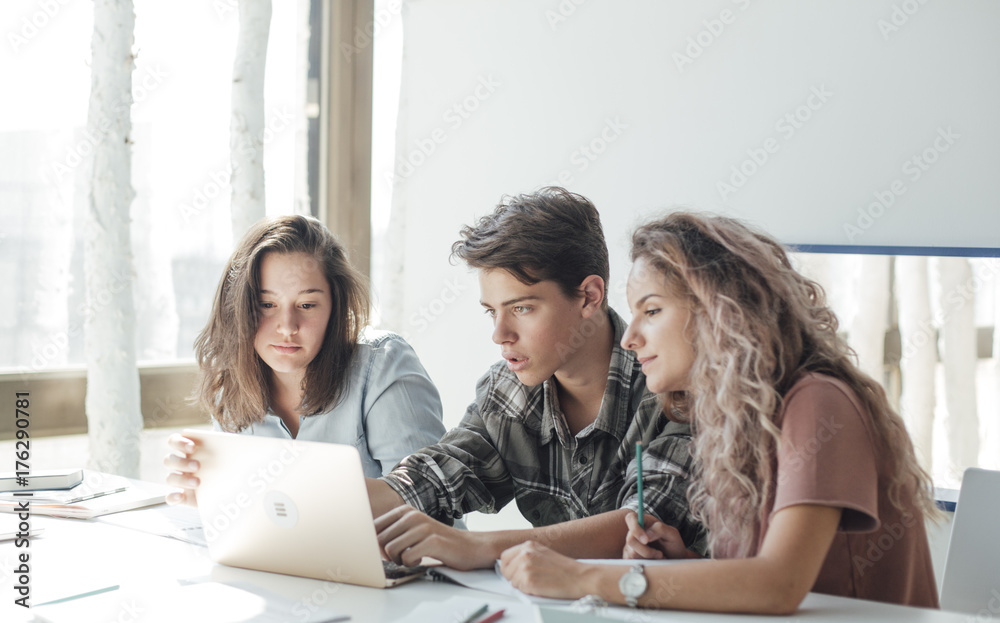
{"type": "Point", "coordinates": [280, 509]}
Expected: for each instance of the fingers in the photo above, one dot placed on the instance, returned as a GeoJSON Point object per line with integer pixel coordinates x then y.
{"type": "Point", "coordinates": [186, 497]}
{"type": "Point", "coordinates": [182, 470]}
{"type": "Point", "coordinates": [180, 444]}
{"type": "Point", "coordinates": [664, 538]}
{"type": "Point", "coordinates": [179, 458]}
{"type": "Point", "coordinates": [511, 560]}
{"type": "Point", "coordinates": [182, 480]}
{"type": "Point", "coordinates": [508, 559]}
{"type": "Point", "coordinates": [389, 518]}
{"type": "Point", "coordinates": [640, 534]}
{"type": "Point", "coordinates": [513, 555]}
{"type": "Point", "coordinates": [635, 549]}
{"type": "Point", "coordinates": [634, 530]}
{"type": "Point", "coordinates": [663, 532]}
{"type": "Point", "coordinates": [409, 547]}
{"type": "Point", "coordinates": [395, 523]}
{"type": "Point", "coordinates": [180, 464]}
{"type": "Point", "coordinates": [658, 540]}
{"type": "Point", "coordinates": [528, 566]}
{"type": "Point", "coordinates": [404, 534]}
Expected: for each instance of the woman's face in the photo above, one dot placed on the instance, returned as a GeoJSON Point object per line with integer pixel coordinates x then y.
{"type": "Point", "coordinates": [294, 309]}
{"type": "Point", "coordinates": [659, 332]}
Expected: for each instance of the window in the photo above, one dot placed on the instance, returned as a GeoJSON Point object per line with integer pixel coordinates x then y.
{"type": "Point", "coordinates": [180, 230]}
{"type": "Point", "coordinates": [925, 328]}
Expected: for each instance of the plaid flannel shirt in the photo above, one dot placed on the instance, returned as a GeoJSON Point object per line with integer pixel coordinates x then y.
{"type": "Point", "coordinates": [514, 444]}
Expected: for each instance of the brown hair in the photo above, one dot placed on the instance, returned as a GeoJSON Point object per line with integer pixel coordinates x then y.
{"type": "Point", "coordinates": [758, 325]}
{"type": "Point", "coordinates": [549, 235]}
{"type": "Point", "coordinates": [233, 385]}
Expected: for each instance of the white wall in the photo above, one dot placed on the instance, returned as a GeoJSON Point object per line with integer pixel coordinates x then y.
{"type": "Point", "coordinates": [504, 96]}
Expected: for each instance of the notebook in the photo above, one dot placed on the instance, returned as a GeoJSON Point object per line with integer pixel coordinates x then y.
{"type": "Point", "coordinates": [294, 507]}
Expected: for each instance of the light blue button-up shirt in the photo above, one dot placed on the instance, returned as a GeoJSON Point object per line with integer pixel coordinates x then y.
{"type": "Point", "coordinates": [389, 409]}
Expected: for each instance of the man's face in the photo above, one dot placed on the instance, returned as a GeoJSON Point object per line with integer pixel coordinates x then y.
{"type": "Point", "coordinates": [534, 325]}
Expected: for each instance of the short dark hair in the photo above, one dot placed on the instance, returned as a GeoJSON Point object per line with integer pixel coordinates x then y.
{"type": "Point", "coordinates": [549, 235]}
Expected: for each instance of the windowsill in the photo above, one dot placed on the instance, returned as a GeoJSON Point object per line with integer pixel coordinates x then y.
{"type": "Point", "coordinates": [946, 499]}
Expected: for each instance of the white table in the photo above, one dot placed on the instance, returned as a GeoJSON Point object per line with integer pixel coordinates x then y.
{"type": "Point", "coordinates": [72, 557]}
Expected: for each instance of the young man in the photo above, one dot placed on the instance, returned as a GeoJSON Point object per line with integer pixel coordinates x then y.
{"type": "Point", "coordinates": [554, 425]}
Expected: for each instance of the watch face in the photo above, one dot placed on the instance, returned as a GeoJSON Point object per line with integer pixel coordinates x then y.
{"type": "Point", "coordinates": [633, 584]}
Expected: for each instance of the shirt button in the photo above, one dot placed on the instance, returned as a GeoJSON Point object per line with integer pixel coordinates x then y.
{"type": "Point", "coordinates": [583, 460]}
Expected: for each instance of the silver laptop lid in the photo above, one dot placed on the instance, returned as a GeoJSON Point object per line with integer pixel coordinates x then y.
{"type": "Point", "coordinates": [971, 580]}
{"type": "Point", "coordinates": [294, 507]}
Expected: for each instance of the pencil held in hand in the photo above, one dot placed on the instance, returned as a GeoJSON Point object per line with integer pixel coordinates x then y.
{"type": "Point", "coordinates": [638, 483]}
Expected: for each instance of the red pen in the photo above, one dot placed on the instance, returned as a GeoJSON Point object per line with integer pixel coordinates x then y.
{"type": "Point", "coordinates": [493, 617]}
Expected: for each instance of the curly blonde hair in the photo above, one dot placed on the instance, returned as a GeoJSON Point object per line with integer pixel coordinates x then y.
{"type": "Point", "coordinates": [758, 325]}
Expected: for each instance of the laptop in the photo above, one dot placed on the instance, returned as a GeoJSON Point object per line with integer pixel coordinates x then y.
{"type": "Point", "coordinates": [294, 507]}
{"type": "Point", "coordinates": [972, 567]}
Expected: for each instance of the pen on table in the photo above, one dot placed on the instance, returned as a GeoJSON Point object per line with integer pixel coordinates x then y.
{"type": "Point", "coordinates": [638, 483]}
{"type": "Point", "coordinates": [87, 594]}
{"type": "Point", "coordinates": [493, 617]}
{"type": "Point", "coordinates": [475, 615]}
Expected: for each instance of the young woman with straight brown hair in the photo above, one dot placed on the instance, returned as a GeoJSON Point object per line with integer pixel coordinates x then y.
{"type": "Point", "coordinates": [287, 353]}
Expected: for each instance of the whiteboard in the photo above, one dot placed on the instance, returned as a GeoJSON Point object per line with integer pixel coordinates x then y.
{"type": "Point", "coordinates": [841, 123]}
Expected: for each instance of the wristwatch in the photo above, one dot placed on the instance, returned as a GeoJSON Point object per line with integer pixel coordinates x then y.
{"type": "Point", "coordinates": [633, 585]}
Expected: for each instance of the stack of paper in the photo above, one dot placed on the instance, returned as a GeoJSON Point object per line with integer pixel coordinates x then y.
{"type": "Point", "coordinates": [10, 529]}
{"type": "Point", "coordinates": [99, 494]}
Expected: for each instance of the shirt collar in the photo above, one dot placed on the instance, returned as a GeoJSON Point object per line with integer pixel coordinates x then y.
{"type": "Point", "coordinates": [614, 416]}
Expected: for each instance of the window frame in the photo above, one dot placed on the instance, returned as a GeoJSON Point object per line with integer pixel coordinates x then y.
{"type": "Point", "coordinates": [58, 397]}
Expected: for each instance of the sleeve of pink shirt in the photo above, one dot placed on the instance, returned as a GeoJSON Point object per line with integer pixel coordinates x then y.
{"type": "Point", "coordinates": [827, 454]}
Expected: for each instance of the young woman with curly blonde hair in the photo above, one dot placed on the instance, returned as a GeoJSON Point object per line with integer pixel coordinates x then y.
{"type": "Point", "coordinates": [805, 476]}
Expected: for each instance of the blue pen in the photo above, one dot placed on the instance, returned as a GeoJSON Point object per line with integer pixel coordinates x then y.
{"type": "Point", "coordinates": [638, 483]}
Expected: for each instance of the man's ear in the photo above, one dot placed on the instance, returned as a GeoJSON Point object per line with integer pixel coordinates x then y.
{"type": "Point", "coordinates": [592, 289]}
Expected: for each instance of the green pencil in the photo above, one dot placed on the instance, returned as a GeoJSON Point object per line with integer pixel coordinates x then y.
{"type": "Point", "coordinates": [638, 483]}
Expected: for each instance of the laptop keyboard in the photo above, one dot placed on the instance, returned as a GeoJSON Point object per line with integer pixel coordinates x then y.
{"type": "Point", "coordinates": [394, 571]}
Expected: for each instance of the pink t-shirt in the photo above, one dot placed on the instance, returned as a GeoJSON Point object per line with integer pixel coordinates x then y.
{"type": "Point", "coordinates": [829, 456]}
